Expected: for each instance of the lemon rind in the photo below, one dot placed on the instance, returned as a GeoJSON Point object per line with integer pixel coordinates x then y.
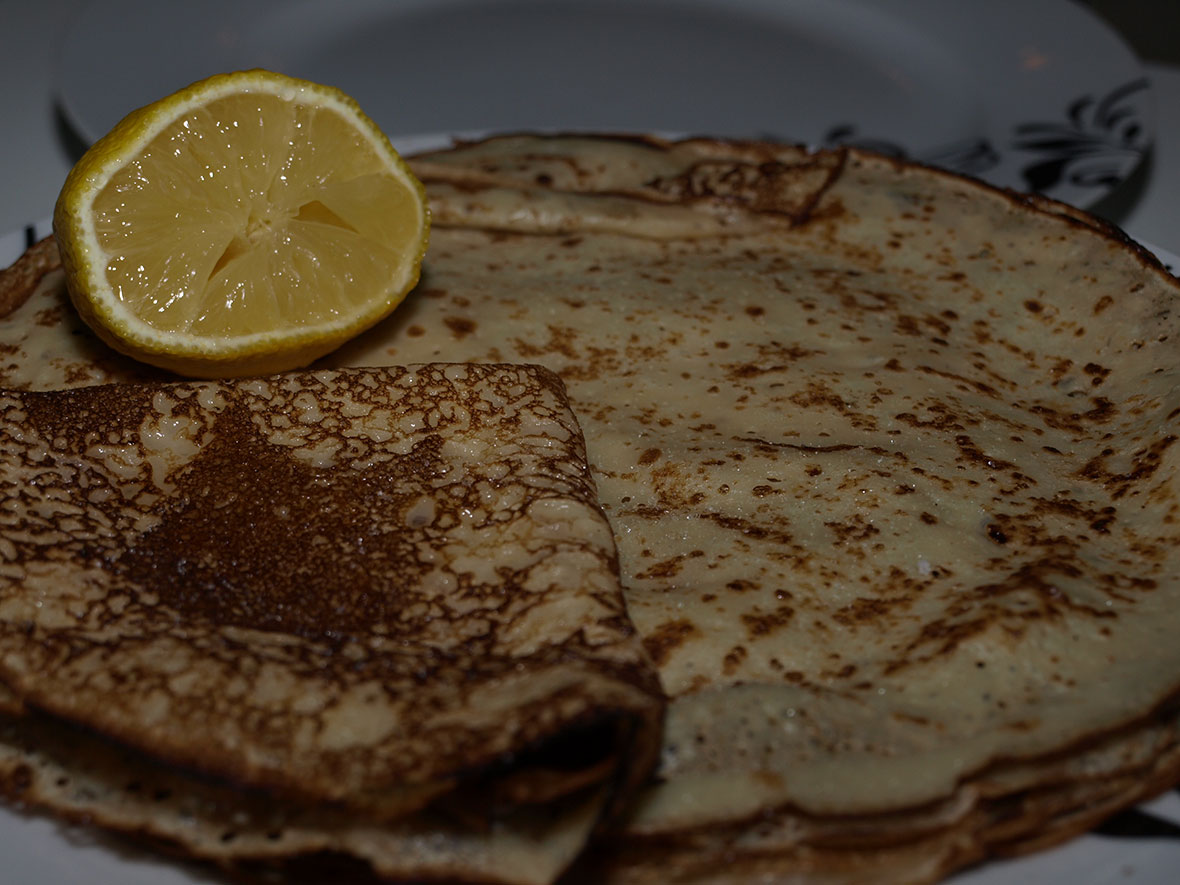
{"type": "Point", "coordinates": [121, 327]}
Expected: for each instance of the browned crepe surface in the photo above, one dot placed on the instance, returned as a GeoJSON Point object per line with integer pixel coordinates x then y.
{"type": "Point", "coordinates": [889, 460]}
{"type": "Point", "coordinates": [373, 594]}
{"type": "Point", "coordinates": [888, 455]}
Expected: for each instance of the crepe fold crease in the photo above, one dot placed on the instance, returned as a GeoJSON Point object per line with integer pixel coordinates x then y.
{"type": "Point", "coordinates": [890, 459]}
{"type": "Point", "coordinates": [372, 612]}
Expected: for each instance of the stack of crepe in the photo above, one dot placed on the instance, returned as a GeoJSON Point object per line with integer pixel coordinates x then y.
{"type": "Point", "coordinates": [372, 613]}
{"type": "Point", "coordinates": [888, 459]}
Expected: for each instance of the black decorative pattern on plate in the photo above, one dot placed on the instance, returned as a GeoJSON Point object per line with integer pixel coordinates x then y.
{"type": "Point", "coordinates": [1143, 823]}
{"type": "Point", "coordinates": [1100, 138]}
{"type": "Point", "coordinates": [972, 156]}
{"type": "Point", "coordinates": [1135, 823]}
{"type": "Point", "coordinates": [1096, 144]}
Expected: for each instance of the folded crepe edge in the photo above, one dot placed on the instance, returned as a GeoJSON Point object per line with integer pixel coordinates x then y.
{"type": "Point", "coordinates": [616, 705]}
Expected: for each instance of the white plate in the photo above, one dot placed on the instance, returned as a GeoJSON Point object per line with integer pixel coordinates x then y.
{"type": "Point", "coordinates": [1030, 94]}
{"type": "Point", "coordinates": [1138, 847]}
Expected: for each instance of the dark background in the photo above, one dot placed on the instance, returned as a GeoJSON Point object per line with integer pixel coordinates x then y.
{"type": "Point", "coordinates": [1151, 27]}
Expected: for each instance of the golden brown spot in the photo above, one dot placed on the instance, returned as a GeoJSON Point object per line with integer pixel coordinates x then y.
{"type": "Point", "coordinates": [763, 623]}
{"type": "Point", "coordinates": [649, 456]}
{"type": "Point", "coordinates": [1097, 373]}
{"type": "Point", "coordinates": [1144, 463]}
{"type": "Point", "coordinates": [856, 529]}
{"type": "Point", "coordinates": [661, 642]}
{"type": "Point", "coordinates": [460, 327]}
{"type": "Point", "coordinates": [49, 317]}
{"type": "Point", "coordinates": [772, 779]}
{"type": "Point", "coordinates": [668, 568]}
{"type": "Point", "coordinates": [733, 659]}
{"type": "Point", "coordinates": [865, 611]}
{"type": "Point", "coordinates": [741, 585]}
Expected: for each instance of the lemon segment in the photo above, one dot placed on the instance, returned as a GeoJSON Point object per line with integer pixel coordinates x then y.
{"type": "Point", "coordinates": [248, 223]}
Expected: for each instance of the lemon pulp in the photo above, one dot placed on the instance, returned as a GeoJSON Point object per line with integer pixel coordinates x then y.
{"type": "Point", "coordinates": [249, 223]}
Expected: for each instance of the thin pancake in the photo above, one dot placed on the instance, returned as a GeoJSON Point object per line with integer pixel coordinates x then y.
{"type": "Point", "coordinates": [369, 596]}
{"type": "Point", "coordinates": [889, 459]}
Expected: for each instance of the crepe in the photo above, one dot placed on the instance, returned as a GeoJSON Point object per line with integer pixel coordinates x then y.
{"type": "Point", "coordinates": [888, 456]}
{"type": "Point", "coordinates": [371, 612]}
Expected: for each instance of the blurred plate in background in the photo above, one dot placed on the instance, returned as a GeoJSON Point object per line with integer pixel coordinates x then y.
{"type": "Point", "coordinates": [1030, 94]}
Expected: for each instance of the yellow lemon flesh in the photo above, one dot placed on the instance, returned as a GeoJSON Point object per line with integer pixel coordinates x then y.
{"type": "Point", "coordinates": [249, 223]}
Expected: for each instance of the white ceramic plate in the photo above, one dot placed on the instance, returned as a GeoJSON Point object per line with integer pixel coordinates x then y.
{"type": "Point", "coordinates": [1031, 94]}
{"type": "Point", "coordinates": [1141, 846]}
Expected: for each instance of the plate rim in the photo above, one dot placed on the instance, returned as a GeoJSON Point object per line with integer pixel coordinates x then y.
{"type": "Point", "coordinates": [1078, 150]}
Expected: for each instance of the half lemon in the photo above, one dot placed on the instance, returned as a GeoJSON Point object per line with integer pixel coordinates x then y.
{"type": "Point", "coordinates": [246, 224]}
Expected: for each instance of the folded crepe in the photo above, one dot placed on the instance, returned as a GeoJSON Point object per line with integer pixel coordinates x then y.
{"type": "Point", "coordinates": [374, 613]}
{"type": "Point", "coordinates": [889, 459]}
